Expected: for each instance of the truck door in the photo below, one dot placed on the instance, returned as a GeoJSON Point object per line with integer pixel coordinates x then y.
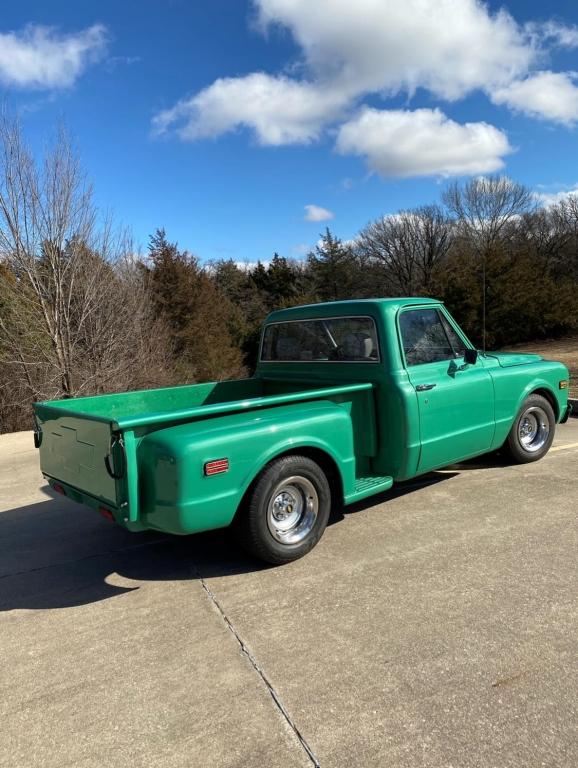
{"type": "Point", "coordinates": [455, 400]}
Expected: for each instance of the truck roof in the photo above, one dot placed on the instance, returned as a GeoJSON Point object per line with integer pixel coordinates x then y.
{"type": "Point", "coordinates": [345, 307]}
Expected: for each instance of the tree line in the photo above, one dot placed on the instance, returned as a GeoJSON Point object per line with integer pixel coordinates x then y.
{"type": "Point", "coordinates": [81, 313]}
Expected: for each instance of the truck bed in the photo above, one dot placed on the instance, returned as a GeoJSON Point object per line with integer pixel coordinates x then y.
{"type": "Point", "coordinates": [127, 410]}
{"type": "Point", "coordinates": [76, 435]}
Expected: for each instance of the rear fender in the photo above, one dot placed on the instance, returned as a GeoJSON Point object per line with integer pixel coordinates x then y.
{"type": "Point", "coordinates": [179, 498]}
{"type": "Point", "coordinates": [345, 466]}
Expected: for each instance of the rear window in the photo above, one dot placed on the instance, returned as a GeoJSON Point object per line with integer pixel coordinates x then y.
{"type": "Point", "coordinates": [336, 339]}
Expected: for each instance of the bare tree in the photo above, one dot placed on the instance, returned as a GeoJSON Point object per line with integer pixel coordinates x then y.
{"type": "Point", "coordinates": [74, 318]}
{"type": "Point", "coordinates": [567, 210]}
{"type": "Point", "coordinates": [485, 206]}
{"type": "Point", "coordinates": [407, 247]}
{"type": "Point", "coordinates": [484, 209]}
{"type": "Point", "coordinates": [547, 233]}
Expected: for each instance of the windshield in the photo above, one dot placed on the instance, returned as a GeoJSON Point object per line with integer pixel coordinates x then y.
{"type": "Point", "coordinates": [336, 339]}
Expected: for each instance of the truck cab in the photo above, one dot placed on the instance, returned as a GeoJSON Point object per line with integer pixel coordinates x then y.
{"type": "Point", "coordinates": [348, 397]}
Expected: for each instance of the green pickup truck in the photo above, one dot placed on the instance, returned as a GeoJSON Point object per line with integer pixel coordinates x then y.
{"type": "Point", "coordinates": [348, 397]}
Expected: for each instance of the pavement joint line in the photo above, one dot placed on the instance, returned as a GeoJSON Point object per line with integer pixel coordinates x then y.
{"type": "Point", "coordinates": [264, 679]}
{"type": "Point", "coordinates": [81, 559]}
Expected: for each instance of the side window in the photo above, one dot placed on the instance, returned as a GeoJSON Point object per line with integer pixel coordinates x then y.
{"type": "Point", "coordinates": [458, 345]}
{"type": "Point", "coordinates": [425, 339]}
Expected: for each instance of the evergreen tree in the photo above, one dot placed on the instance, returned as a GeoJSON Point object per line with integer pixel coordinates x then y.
{"type": "Point", "coordinates": [281, 277]}
{"type": "Point", "coordinates": [198, 313]}
{"type": "Point", "coordinates": [280, 282]}
{"type": "Point", "coordinates": [249, 306]}
{"type": "Point", "coordinates": [333, 268]}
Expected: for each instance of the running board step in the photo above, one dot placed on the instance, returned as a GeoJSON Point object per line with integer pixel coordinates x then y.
{"type": "Point", "coordinates": [368, 486]}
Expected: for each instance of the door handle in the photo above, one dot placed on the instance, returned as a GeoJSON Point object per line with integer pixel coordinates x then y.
{"type": "Point", "coordinates": [424, 387]}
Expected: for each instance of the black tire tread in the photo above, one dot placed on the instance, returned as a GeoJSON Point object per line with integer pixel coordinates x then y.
{"type": "Point", "coordinates": [250, 529]}
{"type": "Point", "coordinates": [512, 445]}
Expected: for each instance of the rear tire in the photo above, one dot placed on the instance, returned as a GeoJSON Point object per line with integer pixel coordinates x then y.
{"type": "Point", "coordinates": [532, 432]}
{"type": "Point", "coordinates": [287, 510]}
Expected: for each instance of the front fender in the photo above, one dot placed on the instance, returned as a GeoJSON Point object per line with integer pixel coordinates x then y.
{"type": "Point", "coordinates": [534, 386]}
{"type": "Point", "coordinates": [550, 383]}
{"type": "Point", "coordinates": [513, 385]}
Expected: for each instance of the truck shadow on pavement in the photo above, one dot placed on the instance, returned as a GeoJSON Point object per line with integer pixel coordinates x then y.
{"type": "Point", "coordinates": [58, 554]}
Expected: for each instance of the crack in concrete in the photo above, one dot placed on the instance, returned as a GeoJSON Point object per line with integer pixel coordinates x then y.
{"type": "Point", "coordinates": [259, 670]}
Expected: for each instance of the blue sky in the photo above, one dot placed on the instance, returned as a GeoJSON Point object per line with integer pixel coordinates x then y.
{"type": "Point", "coordinates": [222, 119]}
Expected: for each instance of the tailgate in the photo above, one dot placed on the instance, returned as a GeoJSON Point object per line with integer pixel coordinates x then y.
{"type": "Point", "coordinates": [73, 450]}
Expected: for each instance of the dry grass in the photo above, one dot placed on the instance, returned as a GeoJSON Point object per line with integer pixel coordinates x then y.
{"type": "Point", "coordinates": [565, 350]}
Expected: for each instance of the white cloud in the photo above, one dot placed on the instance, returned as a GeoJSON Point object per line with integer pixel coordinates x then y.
{"type": "Point", "coordinates": [555, 33]}
{"type": "Point", "coordinates": [422, 143]}
{"type": "Point", "coordinates": [278, 109]}
{"type": "Point", "coordinates": [450, 48]}
{"type": "Point", "coordinates": [355, 49]}
{"type": "Point", "coordinates": [548, 199]}
{"type": "Point", "coordinates": [317, 213]}
{"type": "Point", "coordinates": [549, 95]}
{"type": "Point", "coordinates": [113, 62]}
{"type": "Point", "coordinates": [43, 58]}
{"type": "Point", "coordinates": [447, 46]}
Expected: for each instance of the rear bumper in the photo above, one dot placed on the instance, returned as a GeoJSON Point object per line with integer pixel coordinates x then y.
{"type": "Point", "coordinates": [81, 497]}
{"type": "Point", "coordinates": [566, 415]}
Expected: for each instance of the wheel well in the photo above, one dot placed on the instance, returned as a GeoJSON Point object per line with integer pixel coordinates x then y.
{"type": "Point", "coordinates": [327, 464]}
{"type": "Point", "coordinates": [325, 461]}
{"type": "Point", "coordinates": [550, 398]}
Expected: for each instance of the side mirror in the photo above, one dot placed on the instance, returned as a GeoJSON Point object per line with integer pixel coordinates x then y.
{"type": "Point", "coordinates": [471, 356]}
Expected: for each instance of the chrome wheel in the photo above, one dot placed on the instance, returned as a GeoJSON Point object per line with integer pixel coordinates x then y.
{"type": "Point", "coordinates": [533, 429]}
{"type": "Point", "coordinates": [292, 510]}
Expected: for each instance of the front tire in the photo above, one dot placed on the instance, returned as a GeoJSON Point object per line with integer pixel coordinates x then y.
{"type": "Point", "coordinates": [532, 432]}
{"type": "Point", "coordinates": [287, 511]}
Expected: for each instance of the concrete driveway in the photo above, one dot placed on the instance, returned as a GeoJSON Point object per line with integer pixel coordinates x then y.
{"type": "Point", "coordinates": [437, 627]}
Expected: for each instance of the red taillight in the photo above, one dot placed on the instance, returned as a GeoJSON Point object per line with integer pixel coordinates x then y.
{"type": "Point", "coordinates": [59, 489]}
{"type": "Point", "coordinates": [216, 467]}
{"type": "Point", "coordinates": [106, 513]}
